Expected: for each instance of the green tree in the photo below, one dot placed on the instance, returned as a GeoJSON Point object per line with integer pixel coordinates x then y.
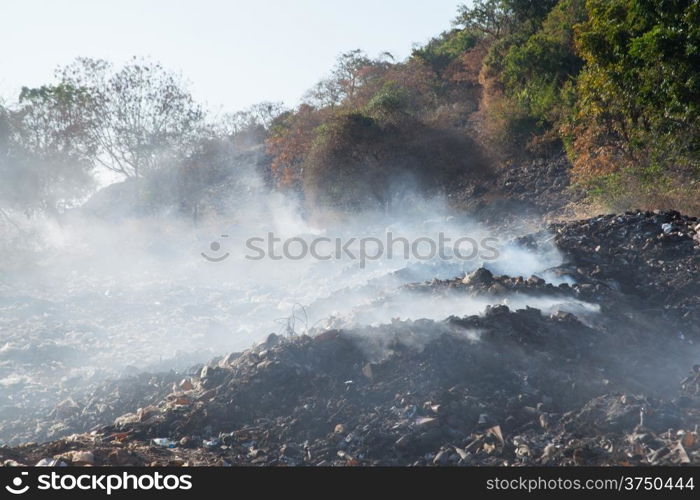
{"type": "Point", "coordinates": [640, 89]}
{"type": "Point", "coordinates": [498, 18]}
{"type": "Point", "coordinates": [443, 50]}
{"type": "Point", "coordinates": [539, 74]}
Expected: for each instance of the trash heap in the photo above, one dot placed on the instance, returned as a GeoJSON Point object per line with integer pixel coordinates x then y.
{"type": "Point", "coordinates": [507, 387]}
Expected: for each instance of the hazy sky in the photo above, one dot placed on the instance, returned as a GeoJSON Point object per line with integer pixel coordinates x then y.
{"type": "Point", "coordinates": [234, 53]}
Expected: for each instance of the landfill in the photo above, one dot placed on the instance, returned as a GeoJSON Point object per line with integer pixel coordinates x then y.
{"type": "Point", "coordinates": [605, 371]}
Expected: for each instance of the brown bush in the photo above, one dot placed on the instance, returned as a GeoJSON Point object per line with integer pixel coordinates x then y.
{"type": "Point", "coordinates": [359, 162]}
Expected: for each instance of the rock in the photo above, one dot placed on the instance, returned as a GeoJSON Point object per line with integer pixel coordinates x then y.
{"type": "Point", "coordinates": [230, 358]}
{"type": "Point", "coordinates": [120, 457]}
{"type": "Point", "coordinates": [212, 376]}
{"type": "Point", "coordinates": [535, 280]}
{"type": "Point", "coordinates": [82, 458]}
{"type": "Point", "coordinates": [481, 276]}
{"type": "Point", "coordinates": [427, 422]}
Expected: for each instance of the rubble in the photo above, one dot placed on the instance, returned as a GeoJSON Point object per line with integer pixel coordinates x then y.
{"type": "Point", "coordinates": [532, 186]}
{"type": "Point", "coordinates": [617, 386]}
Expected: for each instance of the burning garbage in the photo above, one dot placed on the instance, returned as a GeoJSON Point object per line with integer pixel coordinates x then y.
{"type": "Point", "coordinates": [565, 385]}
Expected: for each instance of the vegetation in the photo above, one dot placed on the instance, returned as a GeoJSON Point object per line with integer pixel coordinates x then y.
{"type": "Point", "coordinates": [636, 116]}
{"type": "Point", "coordinates": [613, 83]}
{"type": "Point", "coordinates": [616, 81]}
{"type": "Point", "coordinates": [127, 121]}
{"type": "Point", "coordinates": [375, 158]}
{"type": "Point", "coordinates": [41, 170]}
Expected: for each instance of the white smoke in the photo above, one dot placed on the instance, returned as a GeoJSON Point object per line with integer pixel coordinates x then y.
{"type": "Point", "coordinates": [92, 298]}
{"type": "Point", "coordinates": [145, 287]}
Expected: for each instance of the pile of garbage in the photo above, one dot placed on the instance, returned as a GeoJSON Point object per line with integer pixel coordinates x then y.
{"type": "Point", "coordinates": [102, 402]}
{"type": "Point", "coordinates": [618, 385]}
{"type": "Point", "coordinates": [650, 257]}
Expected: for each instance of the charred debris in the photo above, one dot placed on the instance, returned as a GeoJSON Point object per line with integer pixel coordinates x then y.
{"type": "Point", "coordinates": [617, 386]}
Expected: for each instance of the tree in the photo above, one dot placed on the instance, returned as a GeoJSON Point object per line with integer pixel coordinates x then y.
{"type": "Point", "coordinates": [250, 127]}
{"type": "Point", "coordinates": [54, 121]}
{"type": "Point", "coordinates": [491, 18]}
{"type": "Point", "coordinates": [342, 169]}
{"type": "Point", "coordinates": [639, 93]}
{"type": "Point", "coordinates": [368, 160]}
{"type": "Point", "coordinates": [262, 114]}
{"type": "Point", "coordinates": [498, 18]}
{"type": "Point", "coordinates": [125, 120]}
{"type": "Point", "coordinates": [289, 141]}
{"type": "Point", "coordinates": [352, 70]}
{"type": "Point", "coordinates": [441, 51]}
{"type": "Point", "coordinates": [539, 74]}
{"type": "Point", "coordinates": [39, 168]}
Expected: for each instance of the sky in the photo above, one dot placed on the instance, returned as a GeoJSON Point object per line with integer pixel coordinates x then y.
{"type": "Point", "coordinates": [232, 53]}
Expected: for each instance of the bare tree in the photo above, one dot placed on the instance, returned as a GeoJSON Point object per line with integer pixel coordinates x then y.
{"type": "Point", "coordinates": [352, 70]}
{"type": "Point", "coordinates": [125, 120]}
{"type": "Point", "coordinates": [261, 115]}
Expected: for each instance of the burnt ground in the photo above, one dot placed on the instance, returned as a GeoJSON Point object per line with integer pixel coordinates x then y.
{"type": "Point", "coordinates": [614, 386]}
{"type": "Point", "coordinates": [542, 181]}
{"type": "Point", "coordinates": [526, 187]}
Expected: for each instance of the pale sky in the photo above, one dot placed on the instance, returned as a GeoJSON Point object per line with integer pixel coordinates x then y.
{"type": "Point", "coordinates": [233, 53]}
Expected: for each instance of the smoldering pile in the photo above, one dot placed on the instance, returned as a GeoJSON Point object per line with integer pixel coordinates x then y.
{"type": "Point", "coordinates": [507, 387]}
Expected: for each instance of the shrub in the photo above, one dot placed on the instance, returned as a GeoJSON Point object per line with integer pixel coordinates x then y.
{"type": "Point", "coordinates": [358, 161]}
